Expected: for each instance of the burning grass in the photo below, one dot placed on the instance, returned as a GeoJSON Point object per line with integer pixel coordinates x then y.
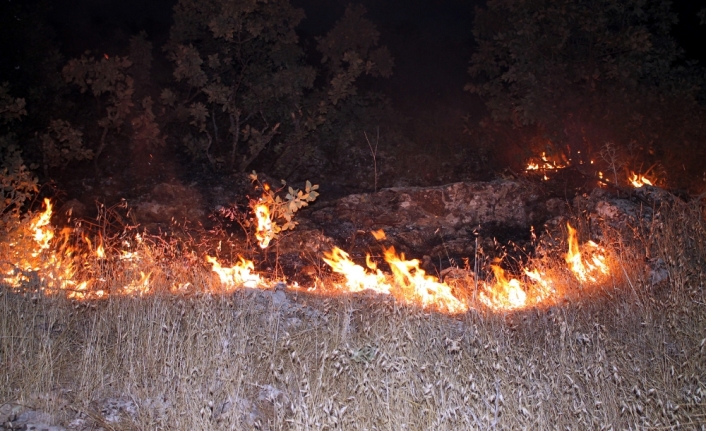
{"type": "Point", "coordinates": [178, 342]}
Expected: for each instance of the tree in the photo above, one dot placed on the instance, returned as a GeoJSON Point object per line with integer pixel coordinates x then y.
{"type": "Point", "coordinates": [580, 74]}
{"type": "Point", "coordinates": [244, 83]}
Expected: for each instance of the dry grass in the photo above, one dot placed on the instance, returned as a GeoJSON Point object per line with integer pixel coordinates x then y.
{"type": "Point", "coordinates": [631, 358]}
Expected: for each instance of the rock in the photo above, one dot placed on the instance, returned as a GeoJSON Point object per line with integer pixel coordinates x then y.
{"type": "Point", "coordinates": [442, 220]}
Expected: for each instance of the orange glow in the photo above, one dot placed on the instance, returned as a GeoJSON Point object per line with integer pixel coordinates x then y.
{"type": "Point", "coordinates": [589, 269]}
{"type": "Point", "coordinates": [504, 294]}
{"type": "Point", "coordinates": [237, 275]}
{"type": "Point", "coordinates": [543, 165]}
{"type": "Point", "coordinates": [357, 278]}
{"type": "Point", "coordinates": [42, 234]}
{"type": "Point", "coordinates": [139, 287]}
{"type": "Point", "coordinates": [410, 284]}
{"type": "Point", "coordinates": [378, 234]}
{"type": "Point", "coordinates": [418, 287]}
{"type": "Point", "coordinates": [638, 181]}
{"type": "Point", "coordinates": [67, 263]}
{"type": "Point", "coordinates": [265, 231]}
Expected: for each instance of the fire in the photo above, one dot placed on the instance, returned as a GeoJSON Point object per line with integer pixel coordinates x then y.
{"type": "Point", "coordinates": [139, 287]}
{"type": "Point", "coordinates": [240, 274]}
{"type": "Point", "coordinates": [504, 294]}
{"type": "Point", "coordinates": [410, 284]}
{"type": "Point", "coordinates": [265, 232]}
{"type": "Point", "coordinates": [591, 268]}
{"type": "Point", "coordinates": [357, 278]}
{"type": "Point", "coordinates": [416, 285]}
{"type": "Point", "coordinates": [512, 294]}
{"type": "Point", "coordinates": [76, 266]}
{"type": "Point", "coordinates": [544, 164]}
{"type": "Point", "coordinates": [378, 234]}
{"type": "Point", "coordinates": [42, 234]}
{"type": "Point", "coordinates": [638, 181]}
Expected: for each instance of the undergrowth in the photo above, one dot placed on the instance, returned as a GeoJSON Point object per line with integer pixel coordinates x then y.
{"type": "Point", "coordinates": [631, 355]}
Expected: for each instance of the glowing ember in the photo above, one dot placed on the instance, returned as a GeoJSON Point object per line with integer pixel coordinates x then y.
{"type": "Point", "coordinates": [265, 231]}
{"type": "Point", "coordinates": [544, 164]}
{"type": "Point", "coordinates": [638, 181]}
{"type": "Point", "coordinates": [590, 269]}
{"type": "Point", "coordinates": [238, 275]}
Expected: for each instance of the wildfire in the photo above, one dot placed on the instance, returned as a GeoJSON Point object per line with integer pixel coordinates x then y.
{"type": "Point", "coordinates": [42, 234]}
{"type": "Point", "coordinates": [544, 164]}
{"type": "Point", "coordinates": [589, 269]}
{"type": "Point", "coordinates": [50, 262]}
{"type": "Point", "coordinates": [265, 231]}
{"type": "Point", "coordinates": [410, 284]}
{"type": "Point", "coordinates": [511, 294]}
{"type": "Point", "coordinates": [238, 275]}
{"type": "Point", "coordinates": [638, 181]}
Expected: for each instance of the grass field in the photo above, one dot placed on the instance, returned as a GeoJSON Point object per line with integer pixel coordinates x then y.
{"type": "Point", "coordinates": [629, 355]}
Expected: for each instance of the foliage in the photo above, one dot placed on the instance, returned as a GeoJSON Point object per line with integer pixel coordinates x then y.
{"type": "Point", "coordinates": [246, 87]}
{"type": "Point", "coordinates": [240, 69]}
{"type": "Point", "coordinates": [282, 210]}
{"type": "Point", "coordinates": [105, 78]}
{"type": "Point", "coordinates": [62, 143]}
{"type": "Point", "coordinates": [17, 183]}
{"type": "Point", "coordinates": [350, 50]}
{"type": "Point", "coordinates": [580, 74]}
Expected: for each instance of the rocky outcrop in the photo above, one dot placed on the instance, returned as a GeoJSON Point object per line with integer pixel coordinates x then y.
{"type": "Point", "coordinates": [423, 219]}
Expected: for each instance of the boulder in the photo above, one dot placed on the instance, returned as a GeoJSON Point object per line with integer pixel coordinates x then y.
{"type": "Point", "coordinates": [424, 219]}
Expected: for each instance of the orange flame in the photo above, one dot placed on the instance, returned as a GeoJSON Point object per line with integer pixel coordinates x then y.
{"type": "Point", "coordinates": [139, 287]}
{"type": "Point", "coordinates": [378, 234]}
{"type": "Point", "coordinates": [50, 262]}
{"type": "Point", "coordinates": [504, 294]}
{"type": "Point", "coordinates": [238, 275]}
{"type": "Point", "coordinates": [638, 181]}
{"type": "Point", "coordinates": [42, 234]}
{"type": "Point", "coordinates": [411, 284]}
{"type": "Point", "coordinates": [590, 269]}
{"type": "Point", "coordinates": [357, 278]}
{"type": "Point", "coordinates": [543, 165]}
{"type": "Point", "coordinates": [265, 231]}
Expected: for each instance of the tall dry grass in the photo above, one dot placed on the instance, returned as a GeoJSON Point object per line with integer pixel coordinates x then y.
{"type": "Point", "coordinates": [631, 357]}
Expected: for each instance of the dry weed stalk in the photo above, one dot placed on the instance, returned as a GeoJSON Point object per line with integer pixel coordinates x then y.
{"type": "Point", "coordinates": [630, 357]}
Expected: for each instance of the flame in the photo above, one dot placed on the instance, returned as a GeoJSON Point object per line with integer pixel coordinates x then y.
{"type": "Point", "coordinates": [139, 287]}
{"type": "Point", "coordinates": [42, 234]}
{"type": "Point", "coordinates": [504, 294]}
{"type": "Point", "coordinates": [265, 231]}
{"type": "Point", "coordinates": [590, 269]}
{"type": "Point", "coordinates": [238, 275]}
{"type": "Point", "coordinates": [378, 234]}
{"type": "Point", "coordinates": [357, 278]}
{"type": "Point", "coordinates": [416, 285]}
{"type": "Point", "coordinates": [638, 181]}
{"type": "Point", "coordinates": [64, 263]}
{"type": "Point", "coordinates": [410, 283]}
{"type": "Point", "coordinates": [543, 165]}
